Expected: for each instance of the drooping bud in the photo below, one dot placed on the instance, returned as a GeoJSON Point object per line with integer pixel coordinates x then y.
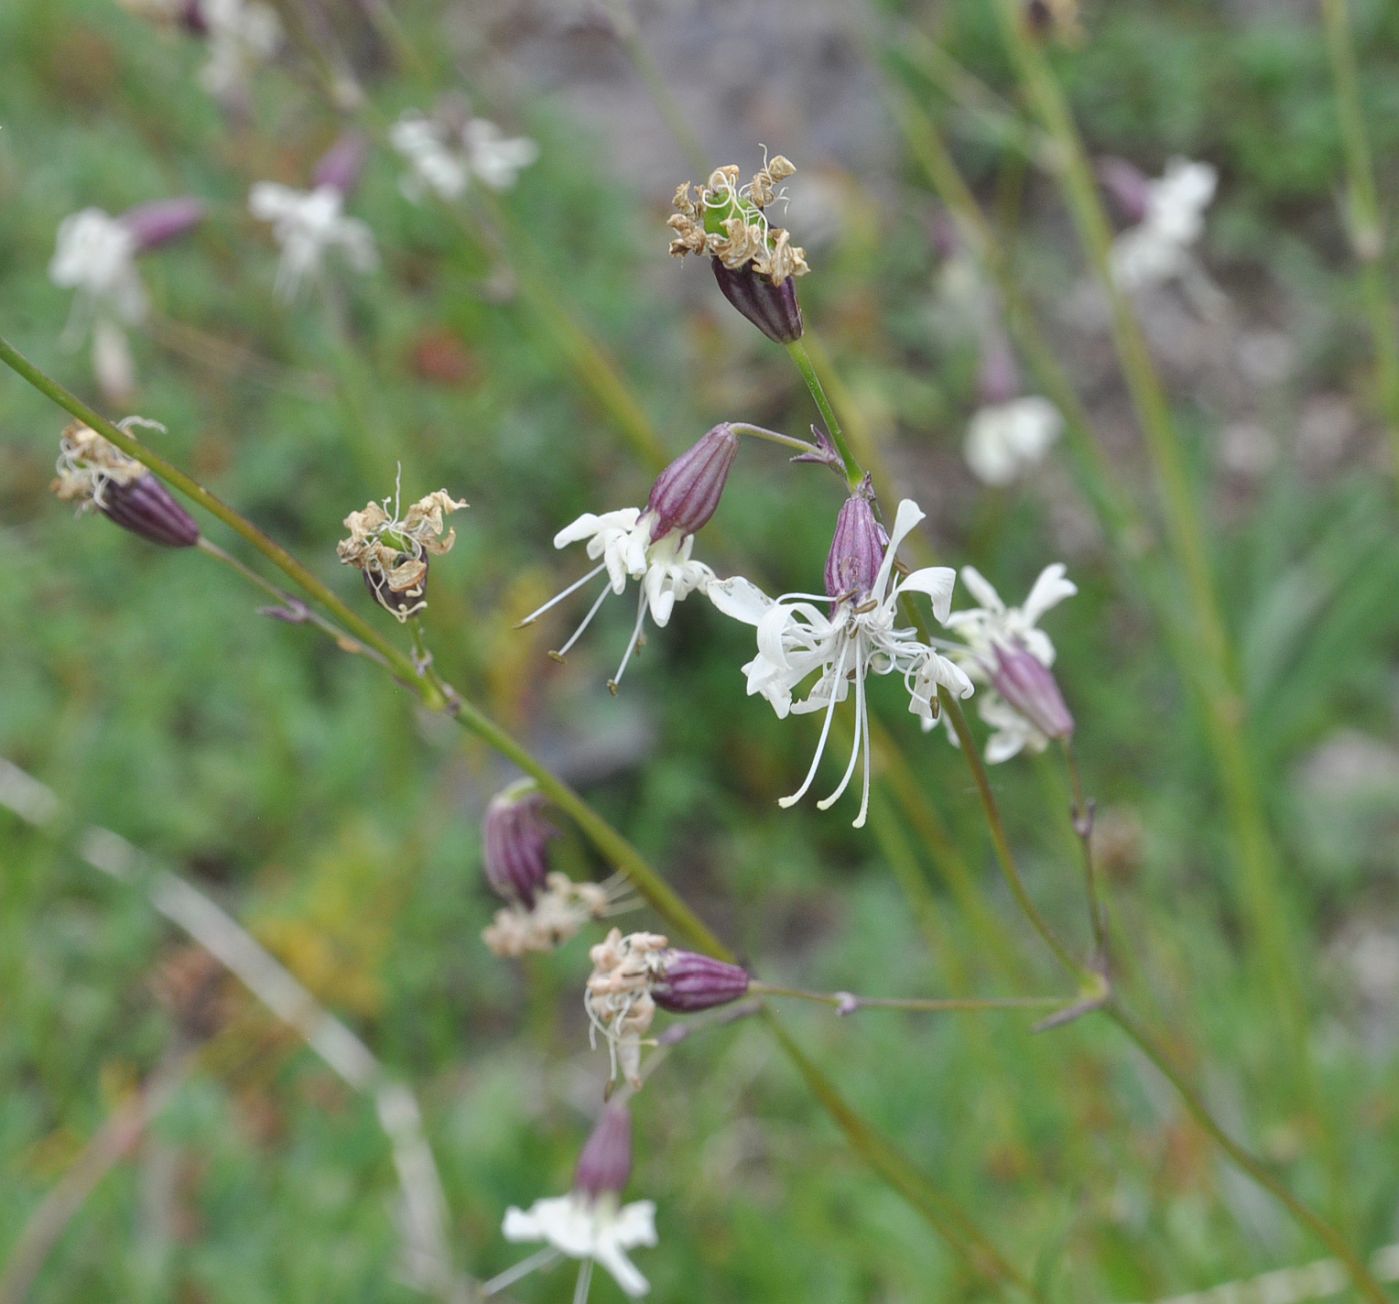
{"type": "Point", "coordinates": [687, 492]}
{"type": "Point", "coordinates": [604, 1167]}
{"type": "Point", "coordinates": [340, 166]}
{"type": "Point", "coordinates": [1029, 686]}
{"type": "Point", "coordinates": [686, 982]}
{"type": "Point", "coordinates": [857, 550]}
{"type": "Point", "coordinates": [515, 844]}
{"type": "Point", "coordinates": [162, 220]}
{"type": "Point", "coordinates": [146, 507]}
{"type": "Point", "coordinates": [998, 379]}
{"type": "Point", "coordinates": [773, 309]}
{"type": "Point", "coordinates": [1127, 186]}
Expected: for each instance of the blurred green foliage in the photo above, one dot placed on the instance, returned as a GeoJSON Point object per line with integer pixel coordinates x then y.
{"type": "Point", "coordinates": [342, 827]}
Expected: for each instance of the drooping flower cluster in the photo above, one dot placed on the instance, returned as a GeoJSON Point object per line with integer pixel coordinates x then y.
{"type": "Point", "coordinates": [632, 975]}
{"type": "Point", "coordinates": [543, 908]}
{"type": "Point", "coordinates": [590, 1223]}
{"type": "Point", "coordinates": [449, 149]}
{"type": "Point", "coordinates": [652, 545]}
{"type": "Point", "coordinates": [854, 630]}
{"type": "Point", "coordinates": [97, 475]}
{"type": "Point", "coordinates": [392, 551]}
{"type": "Point", "coordinates": [754, 262]}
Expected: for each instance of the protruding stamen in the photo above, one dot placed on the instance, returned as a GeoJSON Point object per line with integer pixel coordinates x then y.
{"type": "Point", "coordinates": [559, 597]}
{"type": "Point", "coordinates": [785, 802]}
{"type": "Point", "coordinates": [587, 620]}
{"type": "Point", "coordinates": [615, 682]}
{"type": "Point", "coordinates": [827, 802]}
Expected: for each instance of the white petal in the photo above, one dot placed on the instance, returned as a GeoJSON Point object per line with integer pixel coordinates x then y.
{"type": "Point", "coordinates": [908, 515]}
{"type": "Point", "coordinates": [590, 524]}
{"type": "Point", "coordinates": [937, 582]}
{"type": "Point", "coordinates": [740, 599]}
{"type": "Point", "coordinates": [1050, 589]}
{"type": "Point", "coordinates": [980, 588]}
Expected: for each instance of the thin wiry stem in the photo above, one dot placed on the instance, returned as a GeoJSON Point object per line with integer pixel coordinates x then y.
{"type": "Point", "coordinates": [1081, 815]}
{"type": "Point", "coordinates": [849, 1003]}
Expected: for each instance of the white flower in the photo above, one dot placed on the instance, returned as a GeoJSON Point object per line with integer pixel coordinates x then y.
{"type": "Point", "coordinates": [1157, 249]}
{"type": "Point", "coordinates": [242, 34]}
{"type": "Point", "coordinates": [95, 255]}
{"type": "Point", "coordinates": [860, 637]}
{"type": "Point", "coordinates": [595, 1228]}
{"type": "Point", "coordinates": [1006, 439]}
{"type": "Point", "coordinates": [443, 157]}
{"type": "Point", "coordinates": [992, 626]}
{"type": "Point", "coordinates": [307, 223]}
{"type": "Point", "coordinates": [993, 623]}
{"type": "Point", "coordinates": [661, 566]}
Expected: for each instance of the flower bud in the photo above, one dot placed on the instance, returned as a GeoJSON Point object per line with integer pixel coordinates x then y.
{"type": "Point", "coordinates": [773, 309]}
{"type": "Point", "coordinates": [145, 507]}
{"type": "Point", "coordinates": [1128, 187]}
{"type": "Point", "coordinates": [515, 845]}
{"type": "Point", "coordinates": [687, 982]}
{"type": "Point", "coordinates": [998, 380]}
{"type": "Point", "coordinates": [1027, 684]}
{"type": "Point", "coordinates": [604, 1167]}
{"type": "Point", "coordinates": [857, 551]}
{"type": "Point", "coordinates": [162, 220]}
{"type": "Point", "coordinates": [687, 492]}
{"type": "Point", "coordinates": [340, 166]}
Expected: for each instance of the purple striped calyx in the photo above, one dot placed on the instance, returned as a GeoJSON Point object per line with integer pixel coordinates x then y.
{"type": "Point", "coordinates": [604, 1166]}
{"type": "Point", "coordinates": [1029, 686]}
{"type": "Point", "coordinates": [163, 220]}
{"type": "Point", "coordinates": [686, 981]}
{"type": "Point", "coordinates": [773, 309]}
{"type": "Point", "coordinates": [687, 492]}
{"type": "Point", "coordinates": [515, 843]}
{"type": "Point", "coordinates": [857, 550]}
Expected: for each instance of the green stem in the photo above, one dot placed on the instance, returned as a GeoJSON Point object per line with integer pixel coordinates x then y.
{"type": "Point", "coordinates": [854, 472]}
{"type": "Point", "coordinates": [191, 488]}
{"type": "Point", "coordinates": [1081, 816]}
{"type": "Point", "coordinates": [1366, 225]}
{"type": "Point", "coordinates": [773, 437]}
{"type": "Point", "coordinates": [849, 1003]}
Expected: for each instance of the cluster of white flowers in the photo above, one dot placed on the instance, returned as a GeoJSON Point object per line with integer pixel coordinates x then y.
{"type": "Point", "coordinates": [447, 151]}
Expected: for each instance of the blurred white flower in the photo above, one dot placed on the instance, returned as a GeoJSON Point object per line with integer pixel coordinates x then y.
{"type": "Point", "coordinates": [624, 541]}
{"type": "Point", "coordinates": [1006, 439]}
{"type": "Point", "coordinates": [308, 223]}
{"type": "Point", "coordinates": [1006, 651]}
{"type": "Point", "coordinates": [860, 637]}
{"type": "Point", "coordinates": [95, 256]}
{"type": "Point", "coordinates": [596, 1228]}
{"type": "Point", "coordinates": [444, 156]}
{"type": "Point", "coordinates": [242, 35]}
{"type": "Point", "coordinates": [1157, 249]}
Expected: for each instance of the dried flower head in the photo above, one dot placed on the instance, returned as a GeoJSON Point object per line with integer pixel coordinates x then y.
{"type": "Point", "coordinates": [555, 914]}
{"type": "Point", "coordinates": [632, 975]}
{"type": "Point", "coordinates": [97, 475]}
{"type": "Point", "coordinates": [392, 550]}
{"type": "Point", "coordinates": [728, 222]}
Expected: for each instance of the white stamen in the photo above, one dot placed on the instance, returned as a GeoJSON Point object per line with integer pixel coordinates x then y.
{"type": "Point", "coordinates": [631, 646]}
{"type": "Point", "coordinates": [827, 802]}
{"type": "Point", "coordinates": [587, 620]}
{"type": "Point", "coordinates": [785, 802]}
